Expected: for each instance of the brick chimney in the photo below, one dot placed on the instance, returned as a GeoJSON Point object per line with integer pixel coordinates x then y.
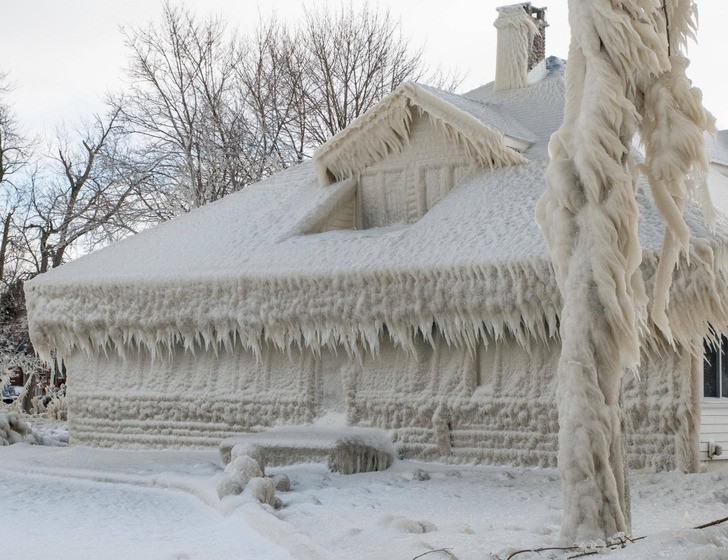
{"type": "Point", "coordinates": [521, 43]}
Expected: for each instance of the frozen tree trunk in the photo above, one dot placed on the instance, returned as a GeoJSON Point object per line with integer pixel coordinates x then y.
{"type": "Point", "coordinates": [591, 445]}
{"type": "Point", "coordinates": [620, 79]}
{"type": "Point", "coordinates": [590, 218]}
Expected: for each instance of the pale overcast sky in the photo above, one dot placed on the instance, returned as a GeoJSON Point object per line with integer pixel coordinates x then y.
{"type": "Point", "coordinates": [64, 55]}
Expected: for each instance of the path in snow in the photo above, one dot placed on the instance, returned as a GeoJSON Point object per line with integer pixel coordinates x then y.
{"type": "Point", "coordinates": [45, 517]}
{"type": "Point", "coordinates": [76, 503]}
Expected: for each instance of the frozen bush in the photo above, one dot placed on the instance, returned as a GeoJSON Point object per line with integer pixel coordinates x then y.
{"type": "Point", "coordinates": [13, 429]}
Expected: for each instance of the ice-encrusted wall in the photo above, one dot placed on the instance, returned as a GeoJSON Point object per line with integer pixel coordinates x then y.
{"type": "Point", "coordinates": [662, 412]}
{"type": "Point", "coordinates": [186, 399]}
{"type": "Point", "coordinates": [500, 406]}
{"type": "Point", "coordinates": [496, 405]}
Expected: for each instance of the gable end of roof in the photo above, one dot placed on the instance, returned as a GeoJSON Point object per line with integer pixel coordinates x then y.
{"type": "Point", "coordinates": [385, 130]}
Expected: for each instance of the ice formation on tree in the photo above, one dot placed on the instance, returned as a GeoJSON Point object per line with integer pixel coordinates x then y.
{"type": "Point", "coordinates": [622, 78]}
{"type": "Point", "coordinates": [672, 130]}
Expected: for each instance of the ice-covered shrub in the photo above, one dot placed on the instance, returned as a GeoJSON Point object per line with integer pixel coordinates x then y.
{"type": "Point", "coordinates": [57, 407]}
{"type": "Point", "coordinates": [13, 429]}
{"type": "Point", "coordinates": [353, 456]}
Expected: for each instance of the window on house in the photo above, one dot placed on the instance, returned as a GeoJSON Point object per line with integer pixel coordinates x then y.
{"type": "Point", "coordinates": [715, 369]}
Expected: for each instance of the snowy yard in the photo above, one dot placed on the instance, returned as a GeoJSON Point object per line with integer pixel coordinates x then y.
{"type": "Point", "coordinates": [82, 503]}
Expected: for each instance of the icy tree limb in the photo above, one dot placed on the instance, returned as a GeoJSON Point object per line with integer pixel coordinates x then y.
{"type": "Point", "coordinates": [614, 543]}
{"type": "Point", "coordinates": [672, 130]}
{"type": "Point", "coordinates": [589, 217]}
{"type": "Point", "coordinates": [443, 550]}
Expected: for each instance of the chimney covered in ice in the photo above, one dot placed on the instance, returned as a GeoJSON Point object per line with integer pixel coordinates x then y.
{"type": "Point", "coordinates": [521, 43]}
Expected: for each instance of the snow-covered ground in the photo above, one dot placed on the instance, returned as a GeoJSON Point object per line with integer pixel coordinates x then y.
{"type": "Point", "coordinates": [80, 503]}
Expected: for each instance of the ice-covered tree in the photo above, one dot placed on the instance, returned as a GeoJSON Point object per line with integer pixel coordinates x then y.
{"type": "Point", "coordinates": [625, 75]}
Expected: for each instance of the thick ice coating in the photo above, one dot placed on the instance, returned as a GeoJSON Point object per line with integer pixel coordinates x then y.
{"type": "Point", "coordinates": [625, 75]}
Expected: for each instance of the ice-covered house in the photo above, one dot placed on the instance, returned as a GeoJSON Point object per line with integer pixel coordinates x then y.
{"type": "Point", "coordinates": [397, 281]}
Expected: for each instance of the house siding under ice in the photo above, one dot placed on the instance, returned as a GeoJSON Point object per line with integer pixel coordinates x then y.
{"type": "Point", "coordinates": [398, 281]}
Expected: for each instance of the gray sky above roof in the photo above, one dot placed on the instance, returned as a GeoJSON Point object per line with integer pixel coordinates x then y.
{"type": "Point", "coordinates": [64, 56]}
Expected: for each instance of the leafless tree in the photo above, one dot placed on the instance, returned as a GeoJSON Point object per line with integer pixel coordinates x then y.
{"type": "Point", "coordinates": [354, 57]}
{"type": "Point", "coordinates": [82, 196]}
{"type": "Point", "coordinates": [15, 153]}
{"type": "Point", "coordinates": [179, 106]}
{"type": "Point", "coordinates": [15, 163]}
{"type": "Point", "coordinates": [14, 146]}
{"type": "Point", "coordinates": [270, 95]}
{"type": "Point", "coordinates": [214, 112]}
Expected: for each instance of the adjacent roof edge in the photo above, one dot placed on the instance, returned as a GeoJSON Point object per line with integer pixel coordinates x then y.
{"type": "Point", "coordinates": [351, 310]}
{"type": "Point", "coordinates": [348, 310]}
{"type": "Point", "coordinates": [385, 129]}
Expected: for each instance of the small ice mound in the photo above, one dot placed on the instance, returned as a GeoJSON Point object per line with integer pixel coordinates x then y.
{"type": "Point", "coordinates": [345, 450]}
{"type": "Point", "coordinates": [248, 450]}
{"type": "Point", "coordinates": [263, 490]}
{"type": "Point", "coordinates": [244, 468]}
{"type": "Point", "coordinates": [418, 475]}
{"type": "Point", "coordinates": [228, 486]}
{"type": "Point", "coordinates": [406, 525]}
{"type": "Point", "coordinates": [281, 482]}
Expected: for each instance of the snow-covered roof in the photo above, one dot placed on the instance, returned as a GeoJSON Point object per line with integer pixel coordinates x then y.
{"type": "Point", "coordinates": [245, 269]}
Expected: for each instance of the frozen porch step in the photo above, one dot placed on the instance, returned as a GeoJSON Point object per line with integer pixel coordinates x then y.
{"type": "Point", "coordinates": [346, 450]}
